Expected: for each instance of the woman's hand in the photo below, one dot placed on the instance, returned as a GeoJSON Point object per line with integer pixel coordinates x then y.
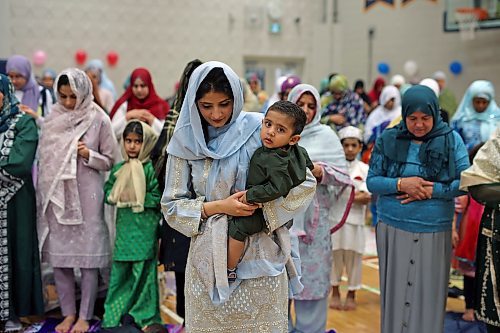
{"type": "Point", "coordinates": [461, 203]}
{"type": "Point", "coordinates": [83, 151]}
{"type": "Point", "coordinates": [415, 188]}
{"type": "Point", "coordinates": [230, 206]}
{"type": "Point", "coordinates": [317, 171]}
{"type": "Point", "coordinates": [406, 198]}
{"type": "Point", "coordinates": [243, 198]}
{"type": "Point", "coordinates": [337, 119]}
{"type": "Point", "coordinates": [26, 109]}
{"type": "Point", "coordinates": [455, 238]}
{"type": "Point", "coordinates": [140, 114]}
{"type": "Point", "coordinates": [362, 198]}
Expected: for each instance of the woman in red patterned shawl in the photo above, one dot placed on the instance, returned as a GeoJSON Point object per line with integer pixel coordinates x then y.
{"type": "Point", "coordinates": [141, 102]}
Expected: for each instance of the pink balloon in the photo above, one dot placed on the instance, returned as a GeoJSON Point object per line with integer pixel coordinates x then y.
{"type": "Point", "coordinates": [39, 58]}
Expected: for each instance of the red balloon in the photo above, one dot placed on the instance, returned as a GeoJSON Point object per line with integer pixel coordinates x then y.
{"type": "Point", "coordinates": [112, 57]}
{"type": "Point", "coordinates": [80, 56]}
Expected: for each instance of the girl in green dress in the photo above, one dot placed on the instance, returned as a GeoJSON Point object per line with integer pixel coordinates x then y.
{"type": "Point", "coordinates": [133, 188]}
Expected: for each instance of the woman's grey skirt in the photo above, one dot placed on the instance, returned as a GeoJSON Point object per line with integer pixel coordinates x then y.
{"type": "Point", "coordinates": [414, 269]}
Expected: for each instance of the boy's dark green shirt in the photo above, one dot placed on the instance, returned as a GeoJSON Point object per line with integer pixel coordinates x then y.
{"type": "Point", "coordinates": [274, 172]}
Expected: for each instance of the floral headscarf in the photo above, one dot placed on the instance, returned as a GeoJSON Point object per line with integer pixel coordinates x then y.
{"type": "Point", "coordinates": [10, 102]}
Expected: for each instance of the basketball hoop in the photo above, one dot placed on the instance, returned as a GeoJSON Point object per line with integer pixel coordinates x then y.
{"type": "Point", "coordinates": [467, 19]}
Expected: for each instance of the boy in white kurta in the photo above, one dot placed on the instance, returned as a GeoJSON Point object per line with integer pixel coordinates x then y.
{"type": "Point", "coordinates": [348, 243]}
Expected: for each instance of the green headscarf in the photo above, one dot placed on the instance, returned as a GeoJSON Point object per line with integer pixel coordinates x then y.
{"type": "Point", "coordinates": [437, 150]}
{"type": "Point", "coordinates": [339, 83]}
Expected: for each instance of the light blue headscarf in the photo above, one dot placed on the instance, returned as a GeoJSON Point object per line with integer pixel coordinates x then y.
{"type": "Point", "coordinates": [466, 112]}
{"type": "Point", "coordinates": [230, 146]}
{"type": "Point", "coordinates": [106, 83]}
{"type": "Point", "coordinates": [188, 141]}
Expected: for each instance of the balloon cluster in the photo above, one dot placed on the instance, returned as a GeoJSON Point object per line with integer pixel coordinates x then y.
{"type": "Point", "coordinates": [81, 57]}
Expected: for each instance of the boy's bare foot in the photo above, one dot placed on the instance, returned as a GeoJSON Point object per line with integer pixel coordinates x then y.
{"type": "Point", "coordinates": [335, 303]}
{"type": "Point", "coordinates": [350, 304]}
{"type": "Point", "coordinates": [468, 315]}
{"type": "Point", "coordinates": [81, 326]}
{"type": "Point", "coordinates": [65, 325]}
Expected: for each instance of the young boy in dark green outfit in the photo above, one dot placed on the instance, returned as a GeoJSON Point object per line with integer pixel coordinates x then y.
{"type": "Point", "coordinates": [275, 168]}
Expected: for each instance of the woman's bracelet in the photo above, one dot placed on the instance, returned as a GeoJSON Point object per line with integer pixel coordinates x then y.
{"type": "Point", "coordinates": [398, 185]}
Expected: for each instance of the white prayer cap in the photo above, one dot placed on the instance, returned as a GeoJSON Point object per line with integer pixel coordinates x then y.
{"type": "Point", "coordinates": [398, 80]}
{"type": "Point", "coordinates": [350, 132]}
{"type": "Point", "coordinates": [439, 75]}
{"type": "Point", "coordinates": [431, 83]}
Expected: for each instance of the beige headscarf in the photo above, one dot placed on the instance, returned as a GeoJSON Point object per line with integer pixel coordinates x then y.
{"type": "Point", "coordinates": [486, 166]}
{"type": "Point", "coordinates": [129, 189]}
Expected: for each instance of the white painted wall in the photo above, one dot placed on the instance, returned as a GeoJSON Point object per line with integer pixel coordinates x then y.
{"type": "Point", "coordinates": [415, 32]}
{"type": "Point", "coordinates": [163, 35]}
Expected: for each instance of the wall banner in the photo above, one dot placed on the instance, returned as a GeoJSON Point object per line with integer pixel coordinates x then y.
{"type": "Point", "coordinates": [369, 3]}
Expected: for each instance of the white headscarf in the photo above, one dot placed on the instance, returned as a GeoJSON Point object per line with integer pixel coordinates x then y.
{"type": "Point", "coordinates": [398, 79]}
{"type": "Point", "coordinates": [323, 147]}
{"type": "Point", "coordinates": [320, 141]}
{"type": "Point", "coordinates": [381, 115]}
{"type": "Point", "coordinates": [488, 118]}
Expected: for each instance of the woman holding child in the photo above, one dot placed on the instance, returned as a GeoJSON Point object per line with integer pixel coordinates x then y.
{"type": "Point", "coordinates": [209, 155]}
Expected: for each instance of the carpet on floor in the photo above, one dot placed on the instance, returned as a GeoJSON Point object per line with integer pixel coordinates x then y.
{"type": "Point", "coordinates": [453, 323]}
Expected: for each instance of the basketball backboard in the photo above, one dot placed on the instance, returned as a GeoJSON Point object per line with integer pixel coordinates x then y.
{"type": "Point", "coordinates": [487, 13]}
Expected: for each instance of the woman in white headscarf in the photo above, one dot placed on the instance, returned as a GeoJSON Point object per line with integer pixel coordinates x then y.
{"type": "Point", "coordinates": [389, 108]}
{"type": "Point", "coordinates": [326, 214]}
{"type": "Point", "coordinates": [477, 115]}
{"type": "Point", "coordinates": [207, 166]}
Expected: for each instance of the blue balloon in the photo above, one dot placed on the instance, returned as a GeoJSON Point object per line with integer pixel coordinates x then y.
{"type": "Point", "coordinates": [456, 67]}
{"type": "Point", "coordinates": [383, 68]}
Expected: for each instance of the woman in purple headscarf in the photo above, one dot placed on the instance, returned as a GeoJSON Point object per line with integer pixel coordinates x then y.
{"type": "Point", "coordinates": [27, 90]}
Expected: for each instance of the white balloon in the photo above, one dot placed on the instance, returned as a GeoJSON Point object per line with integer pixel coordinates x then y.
{"type": "Point", "coordinates": [410, 68]}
